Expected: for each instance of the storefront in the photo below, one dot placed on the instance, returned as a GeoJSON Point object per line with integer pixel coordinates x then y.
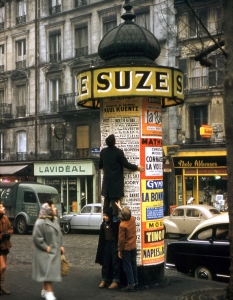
{"type": "Point", "coordinates": [76, 181]}
{"type": "Point", "coordinates": [201, 175]}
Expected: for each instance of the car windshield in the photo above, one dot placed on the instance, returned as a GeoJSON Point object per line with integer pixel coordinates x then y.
{"type": "Point", "coordinates": [44, 197]}
{"type": "Point", "coordinates": [215, 211]}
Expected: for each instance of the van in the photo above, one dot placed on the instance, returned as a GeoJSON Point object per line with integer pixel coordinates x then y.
{"type": "Point", "coordinates": [23, 200]}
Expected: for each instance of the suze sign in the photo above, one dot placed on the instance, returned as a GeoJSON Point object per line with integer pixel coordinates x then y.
{"type": "Point", "coordinates": [133, 81]}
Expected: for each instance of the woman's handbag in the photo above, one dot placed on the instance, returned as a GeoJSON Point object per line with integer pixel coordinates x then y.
{"type": "Point", "coordinates": [65, 266]}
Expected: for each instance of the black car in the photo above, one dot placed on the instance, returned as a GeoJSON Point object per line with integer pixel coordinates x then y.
{"type": "Point", "coordinates": [205, 253]}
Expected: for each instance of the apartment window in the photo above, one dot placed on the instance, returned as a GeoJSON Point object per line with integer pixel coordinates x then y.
{"type": "Point", "coordinates": [82, 138]}
{"type": "Point", "coordinates": [54, 92]}
{"type": "Point", "coordinates": [54, 6]}
{"type": "Point", "coordinates": [55, 47]}
{"type": "Point", "coordinates": [81, 41]}
{"type": "Point", "coordinates": [198, 117]}
{"type": "Point", "coordinates": [20, 54]}
{"type": "Point", "coordinates": [21, 11]}
{"type": "Point", "coordinates": [198, 75]}
{"type": "Point", "coordinates": [109, 22]}
{"type": "Point", "coordinates": [1, 58]}
{"type": "Point", "coordinates": [195, 27]}
{"type": "Point", "coordinates": [21, 101]}
{"type": "Point", "coordinates": [2, 17]}
{"type": "Point", "coordinates": [21, 141]}
{"type": "Point", "coordinates": [143, 18]}
{"type": "Point", "coordinates": [1, 97]}
{"type": "Point", "coordinates": [216, 70]}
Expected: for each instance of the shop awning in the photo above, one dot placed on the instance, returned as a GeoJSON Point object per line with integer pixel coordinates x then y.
{"type": "Point", "coordinates": [9, 170]}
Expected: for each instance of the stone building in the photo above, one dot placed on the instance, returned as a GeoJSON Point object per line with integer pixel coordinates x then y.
{"type": "Point", "coordinates": [44, 135]}
{"type": "Point", "coordinates": [200, 159]}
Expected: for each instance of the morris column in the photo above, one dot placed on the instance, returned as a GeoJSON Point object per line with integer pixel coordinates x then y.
{"type": "Point", "coordinates": [130, 90]}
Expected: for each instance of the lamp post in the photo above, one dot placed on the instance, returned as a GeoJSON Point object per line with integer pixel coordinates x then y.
{"type": "Point", "coordinates": [130, 90]}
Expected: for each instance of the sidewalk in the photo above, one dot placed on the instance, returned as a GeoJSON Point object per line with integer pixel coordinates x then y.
{"type": "Point", "coordinates": [82, 283]}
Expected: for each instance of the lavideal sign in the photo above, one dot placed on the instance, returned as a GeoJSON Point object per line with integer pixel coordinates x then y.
{"type": "Point", "coordinates": [165, 83]}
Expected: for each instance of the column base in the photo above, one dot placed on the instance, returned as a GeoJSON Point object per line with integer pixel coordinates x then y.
{"type": "Point", "coordinates": [150, 275]}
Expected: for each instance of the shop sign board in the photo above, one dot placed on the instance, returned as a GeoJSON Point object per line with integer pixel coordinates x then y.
{"type": "Point", "coordinates": [206, 131]}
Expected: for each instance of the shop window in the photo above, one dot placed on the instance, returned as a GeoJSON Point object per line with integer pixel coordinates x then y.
{"type": "Point", "coordinates": [81, 41]}
{"type": "Point", "coordinates": [55, 47]}
{"type": "Point", "coordinates": [109, 22]}
{"type": "Point", "coordinates": [198, 117]}
{"type": "Point", "coordinates": [82, 138]}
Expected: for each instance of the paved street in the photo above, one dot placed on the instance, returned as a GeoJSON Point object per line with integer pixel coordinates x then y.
{"type": "Point", "coordinates": [84, 277]}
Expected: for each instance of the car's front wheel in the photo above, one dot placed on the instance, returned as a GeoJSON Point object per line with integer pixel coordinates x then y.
{"type": "Point", "coordinates": [66, 227]}
{"type": "Point", "coordinates": [203, 273]}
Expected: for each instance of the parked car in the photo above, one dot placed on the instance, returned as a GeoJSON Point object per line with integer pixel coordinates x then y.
{"type": "Point", "coordinates": [89, 218]}
{"type": "Point", "coordinates": [185, 218]}
{"type": "Point", "coordinates": [205, 253]}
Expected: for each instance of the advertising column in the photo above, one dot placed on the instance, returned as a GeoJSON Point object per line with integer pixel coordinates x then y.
{"type": "Point", "coordinates": [136, 124]}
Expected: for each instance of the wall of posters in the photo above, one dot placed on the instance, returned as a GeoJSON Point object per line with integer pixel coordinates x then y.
{"type": "Point", "coordinates": [136, 124]}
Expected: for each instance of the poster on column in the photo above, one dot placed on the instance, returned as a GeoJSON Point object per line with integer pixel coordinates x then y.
{"type": "Point", "coordinates": [121, 117]}
{"type": "Point", "coordinates": [152, 229]}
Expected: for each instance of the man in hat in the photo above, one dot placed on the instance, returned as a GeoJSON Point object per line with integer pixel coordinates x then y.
{"type": "Point", "coordinates": [113, 161]}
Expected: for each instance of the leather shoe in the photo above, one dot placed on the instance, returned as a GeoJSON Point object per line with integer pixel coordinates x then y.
{"type": "Point", "coordinates": [102, 284]}
{"type": "Point", "coordinates": [4, 291]}
{"type": "Point", "coordinates": [113, 286]}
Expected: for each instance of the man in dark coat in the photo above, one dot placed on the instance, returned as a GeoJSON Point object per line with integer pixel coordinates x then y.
{"type": "Point", "coordinates": [112, 161]}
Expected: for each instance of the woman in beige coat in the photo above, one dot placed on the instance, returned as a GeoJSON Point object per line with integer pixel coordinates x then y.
{"type": "Point", "coordinates": [47, 238]}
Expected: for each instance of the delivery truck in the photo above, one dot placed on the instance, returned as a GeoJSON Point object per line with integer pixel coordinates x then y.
{"type": "Point", "coordinates": [23, 200]}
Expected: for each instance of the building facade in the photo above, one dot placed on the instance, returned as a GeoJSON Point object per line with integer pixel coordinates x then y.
{"type": "Point", "coordinates": [44, 135]}
{"type": "Point", "coordinates": [200, 160]}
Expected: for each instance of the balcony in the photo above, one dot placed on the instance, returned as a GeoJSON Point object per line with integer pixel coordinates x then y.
{"type": "Point", "coordinates": [67, 102]}
{"type": "Point", "coordinates": [197, 83]}
{"type": "Point", "coordinates": [79, 3]}
{"type": "Point", "coordinates": [55, 57]}
{"type": "Point", "coordinates": [53, 106]}
{"type": "Point", "coordinates": [55, 154]}
{"type": "Point", "coordinates": [21, 20]}
{"type": "Point", "coordinates": [21, 155]}
{"type": "Point", "coordinates": [20, 111]}
{"type": "Point", "coordinates": [81, 51]}
{"type": "Point", "coordinates": [21, 64]}
{"type": "Point", "coordinates": [55, 9]}
{"type": "Point", "coordinates": [1, 26]}
{"type": "Point", "coordinates": [5, 111]}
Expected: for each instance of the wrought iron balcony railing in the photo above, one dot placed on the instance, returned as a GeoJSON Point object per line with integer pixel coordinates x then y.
{"type": "Point", "coordinates": [81, 51]}
{"type": "Point", "coordinates": [5, 111]}
{"type": "Point", "coordinates": [21, 155]}
{"type": "Point", "coordinates": [80, 3]}
{"type": "Point", "coordinates": [67, 102]}
{"type": "Point", "coordinates": [55, 57]}
{"type": "Point", "coordinates": [55, 9]}
{"type": "Point", "coordinates": [197, 83]}
{"type": "Point", "coordinates": [55, 154]}
{"type": "Point", "coordinates": [21, 64]}
{"type": "Point", "coordinates": [21, 19]}
{"type": "Point", "coordinates": [53, 106]}
{"type": "Point", "coordinates": [20, 111]}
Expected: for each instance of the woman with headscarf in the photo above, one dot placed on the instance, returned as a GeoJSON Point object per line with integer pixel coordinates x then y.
{"type": "Point", "coordinates": [6, 231]}
{"type": "Point", "coordinates": [47, 238]}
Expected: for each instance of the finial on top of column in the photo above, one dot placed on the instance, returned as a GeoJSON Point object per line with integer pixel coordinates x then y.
{"type": "Point", "coordinates": [128, 15]}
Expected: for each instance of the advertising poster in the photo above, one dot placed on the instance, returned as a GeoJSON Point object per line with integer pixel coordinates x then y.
{"type": "Point", "coordinates": [152, 196]}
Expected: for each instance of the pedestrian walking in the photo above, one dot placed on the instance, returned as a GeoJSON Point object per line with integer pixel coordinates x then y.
{"type": "Point", "coordinates": [127, 249]}
{"type": "Point", "coordinates": [112, 161]}
{"type": "Point", "coordinates": [47, 238]}
{"type": "Point", "coordinates": [107, 254]}
{"type": "Point", "coordinates": [6, 230]}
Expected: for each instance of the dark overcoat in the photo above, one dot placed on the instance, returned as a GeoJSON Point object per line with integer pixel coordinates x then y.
{"type": "Point", "coordinates": [112, 161]}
